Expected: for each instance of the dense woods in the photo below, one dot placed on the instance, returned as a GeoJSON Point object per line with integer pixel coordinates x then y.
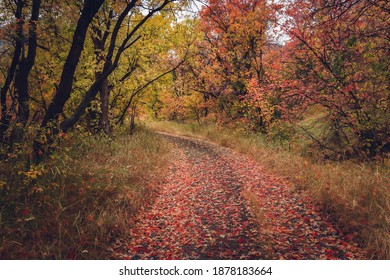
{"type": "Point", "coordinates": [226, 64]}
{"type": "Point", "coordinates": [310, 76]}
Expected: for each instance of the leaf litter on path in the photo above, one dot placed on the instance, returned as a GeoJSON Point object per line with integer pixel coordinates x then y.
{"type": "Point", "coordinates": [202, 213]}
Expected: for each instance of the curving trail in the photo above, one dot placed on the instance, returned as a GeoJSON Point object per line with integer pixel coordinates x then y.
{"type": "Point", "coordinates": [204, 212]}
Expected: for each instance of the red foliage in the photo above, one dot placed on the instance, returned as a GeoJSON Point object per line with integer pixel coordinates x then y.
{"type": "Point", "coordinates": [340, 56]}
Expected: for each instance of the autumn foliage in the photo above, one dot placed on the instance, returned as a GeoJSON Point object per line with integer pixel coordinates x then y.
{"type": "Point", "coordinates": [335, 60]}
{"type": "Point", "coordinates": [341, 59]}
{"type": "Point", "coordinates": [307, 76]}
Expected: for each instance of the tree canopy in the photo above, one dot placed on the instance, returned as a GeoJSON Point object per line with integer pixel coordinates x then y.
{"type": "Point", "coordinates": [100, 64]}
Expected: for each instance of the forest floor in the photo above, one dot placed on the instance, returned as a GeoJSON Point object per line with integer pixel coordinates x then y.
{"type": "Point", "coordinates": [218, 204]}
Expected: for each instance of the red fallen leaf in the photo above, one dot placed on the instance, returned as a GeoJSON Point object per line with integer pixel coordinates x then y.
{"type": "Point", "coordinates": [348, 237]}
{"type": "Point", "coordinates": [331, 257]}
{"type": "Point", "coordinates": [240, 240]}
{"type": "Point", "coordinates": [139, 249]}
{"type": "Point", "coordinates": [91, 217]}
{"type": "Point", "coordinates": [71, 255]}
{"type": "Point", "coordinates": [25, 212]}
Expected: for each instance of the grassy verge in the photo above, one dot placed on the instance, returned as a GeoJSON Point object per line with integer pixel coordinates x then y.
{"type": "Point", "coordinates": [80, 200]}
{"type": "Point", "coordinates": [357, 196]}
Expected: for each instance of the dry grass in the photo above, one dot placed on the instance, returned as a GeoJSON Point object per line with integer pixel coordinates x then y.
{"type": "Point", "coordinates": [77, 203]}
{"type": "Point", "coordinates": [262, 222]}
{"type": "Point", "coordinates": [356, 195]}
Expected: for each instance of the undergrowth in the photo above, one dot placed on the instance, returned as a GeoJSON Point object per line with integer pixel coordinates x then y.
{"type": "Point", "coordinates": [356, 195]}
{"type": "Point", "coordinates": [75, 204]}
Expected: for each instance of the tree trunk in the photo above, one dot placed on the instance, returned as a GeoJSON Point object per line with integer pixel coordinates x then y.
{"type": "Point", "coordinates": [5, 117]}
{"type": "Point", "coordinates": [23, 98]}
{"type": "Point", "coordinates": [133, 113]}
{"type": "Point", "coordinates": [25, 66]}
{"type": "Point", "coordinates": [56, 107]}
{"type": "Point", "coordinates": [88, 97]}
{"type": "Point", "coordinates": [63, 92]}
{"type": "Point", "coordinates": [99, 41]}
{"type": "Point", "coordinates": [104, 106]}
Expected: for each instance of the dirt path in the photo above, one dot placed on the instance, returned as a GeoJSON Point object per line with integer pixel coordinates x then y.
{"type": "Point", "coordinates": [203, 212]}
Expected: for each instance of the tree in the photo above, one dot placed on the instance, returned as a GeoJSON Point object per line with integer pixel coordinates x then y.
{"type": "Point", "coordinates": [119, 41]}
{"type": "Point", "coordinates": [113, 56]}
{"type": "Point", "coordinates": [100, 38]}
{"type": "Point", "coordinates": [63, 92]}
{"type": "Point", "coordinates": [25, 65]}
{"type": "Point", "coordinates": [231, 54]}
{"type": "Point", "coordinates": [342, 61]}
{"type": "Point", "coordinates": [89, 10]}
{"type": "Point", "coordinates": [17, 38]}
